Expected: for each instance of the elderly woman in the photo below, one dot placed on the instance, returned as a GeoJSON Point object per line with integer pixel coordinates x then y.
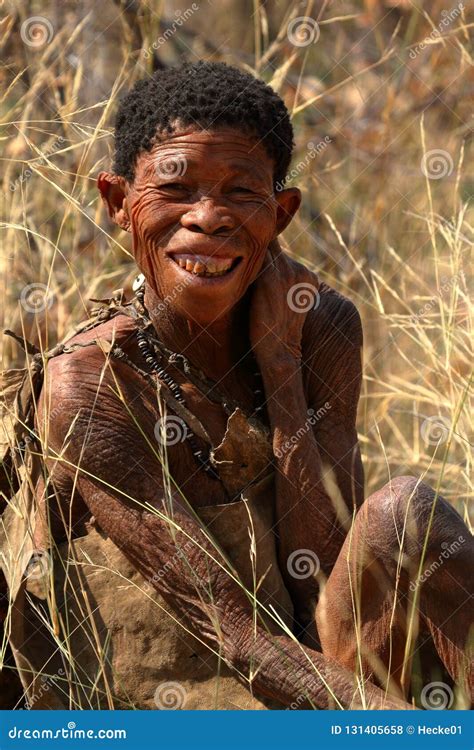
{"type": "Point", "coordinates": [203, 499]}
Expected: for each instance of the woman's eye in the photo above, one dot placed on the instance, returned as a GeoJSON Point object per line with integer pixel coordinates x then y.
{"type": "Point", "coordinates": [241, 189]}
{"type": "Point", "coordinates": [172, 186]}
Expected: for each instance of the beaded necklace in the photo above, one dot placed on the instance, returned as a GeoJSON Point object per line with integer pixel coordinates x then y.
{"type": "Point", "coordinates": [156, 359]}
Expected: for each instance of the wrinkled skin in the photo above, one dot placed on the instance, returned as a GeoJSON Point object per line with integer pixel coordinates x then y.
{"type": "Point", "coordinates": [223, 205]}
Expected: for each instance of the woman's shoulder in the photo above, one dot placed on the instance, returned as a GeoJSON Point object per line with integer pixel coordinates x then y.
{"type": "Point", "coordinates": [334, 318]}
{"type": "Point", "coordinates": [84, 379]}
{"type": "Point", "coordinates": [332, 353]}
{"type": "Point", "coordinates": [119, 329]}
{"type": "Point", "coordinates": [80, 359]}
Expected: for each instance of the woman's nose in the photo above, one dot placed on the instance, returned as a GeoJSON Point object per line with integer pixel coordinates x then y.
{"type": "Point", "coordinates": [208, 218]}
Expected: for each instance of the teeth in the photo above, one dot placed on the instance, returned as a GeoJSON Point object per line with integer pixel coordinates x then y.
{"type": "Point", "coordinates": [199, 267]}
{"type": "Point", "coordinates": [204, 265]}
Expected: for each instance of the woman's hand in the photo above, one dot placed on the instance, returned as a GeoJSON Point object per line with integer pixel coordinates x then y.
{"type": "Point", "coordinates": [282, 296]}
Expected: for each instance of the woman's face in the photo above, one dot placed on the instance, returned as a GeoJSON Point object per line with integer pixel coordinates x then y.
{"type": "Point", "coordinates": [202, 211]}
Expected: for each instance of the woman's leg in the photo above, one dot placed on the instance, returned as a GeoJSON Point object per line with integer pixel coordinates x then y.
{"type": "Point", "coordinates": [403, 577]}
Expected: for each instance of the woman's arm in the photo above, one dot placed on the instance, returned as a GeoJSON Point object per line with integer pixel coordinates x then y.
{"type": "Point", "coordinates": [311, 370]}
{"type": "Point", "coordinates": [121, 483]}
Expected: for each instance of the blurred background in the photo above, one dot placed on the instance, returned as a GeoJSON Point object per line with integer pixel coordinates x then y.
{"type": "Point", "coordinates": [381, 95]}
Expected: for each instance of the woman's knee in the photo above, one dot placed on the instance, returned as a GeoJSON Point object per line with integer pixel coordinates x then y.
{"type": "Point", "coordinates": [379, 525]}
{"type": "Point", "coordinates": [402, 494]}
{"type": "Point", "coordinates": [407, 512]}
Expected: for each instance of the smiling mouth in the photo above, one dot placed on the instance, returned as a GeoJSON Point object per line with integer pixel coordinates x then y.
{"type": "Point", "coordinates": [205, 265]}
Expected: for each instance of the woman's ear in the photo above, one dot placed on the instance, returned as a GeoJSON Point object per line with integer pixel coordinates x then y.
{"type": "Point", "coordinates": [288, 201]}
{"type": "Point", "coordinates": [112, 192]}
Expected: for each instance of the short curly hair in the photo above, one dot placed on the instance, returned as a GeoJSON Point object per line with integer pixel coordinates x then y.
{"type": "Point", "coordinates": [206, 94]}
